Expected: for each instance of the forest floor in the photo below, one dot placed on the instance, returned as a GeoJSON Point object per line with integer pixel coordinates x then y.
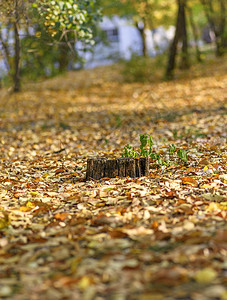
{"type": "Point", "coordinates": [163, 236]}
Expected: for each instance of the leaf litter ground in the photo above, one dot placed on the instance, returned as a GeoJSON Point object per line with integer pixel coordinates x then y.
{"type": "Point", "coordinates": [158, 237]}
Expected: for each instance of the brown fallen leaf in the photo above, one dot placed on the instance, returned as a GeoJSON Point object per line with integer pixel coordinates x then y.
{"type": "Point", "coordinates": [60, 170]}
{"type": "Point", "coordinates": [189, 181]}
{"type": "Point", "coordinates": [204, 162]}
{"type": "Point", "coordinates": [61, 216]}
{"type": "Point", "coordinates": [117, 234]}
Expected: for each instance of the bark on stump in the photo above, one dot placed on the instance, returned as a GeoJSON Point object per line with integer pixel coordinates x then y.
{"type": "Point", "coordinates": [98, 168]}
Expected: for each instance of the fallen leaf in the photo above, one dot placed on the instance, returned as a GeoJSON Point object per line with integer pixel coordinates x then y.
{"type": "Point", "coordinates": [189, 181]}
{"type": "Point", "coordinates": [206, 275]}
{"type": "Point", "coordinates": [4, 220]}
{"type": "Point", "coordinates": [61, 216]}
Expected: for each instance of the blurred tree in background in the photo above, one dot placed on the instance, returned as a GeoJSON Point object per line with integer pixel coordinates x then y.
{"type": "Point", "coordinates": [180, 35]}
{"type": "Point", "coordinates": [39, 35]}
{"type": "Point", "coordinates": [13, 16]}
{"type": "Point", "coordinates": [215, 12]}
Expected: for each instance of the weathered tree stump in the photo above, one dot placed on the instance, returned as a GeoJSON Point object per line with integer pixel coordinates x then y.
{"type": "Point", "coordinates": [98, 168]}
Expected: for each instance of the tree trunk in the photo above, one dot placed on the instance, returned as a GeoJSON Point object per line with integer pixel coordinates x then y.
{"type": "Point", "coordinates": [121, 167]}
{"type": "Point", "coordinates": [173, 48]}
{"type": "Point", "coordinates": [142, 31]}
{"type": "Point", "coordinates": [63, 56]}
{"type": "Point", "coordinates": [218, 28]}
{"type": "Point", "coordinates": [223, 29]}
{"type": "Point", "coordinates": [184, 55]}
{"type": "Point", "coordinates": [219, 31]}
{"type": "Point", "coordinates": [195, 35]}
{"type": "Point", "coordinates": [17, 49]}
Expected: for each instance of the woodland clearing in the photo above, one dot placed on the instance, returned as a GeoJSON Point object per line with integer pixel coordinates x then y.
{"type": "Point", "coordinates": [163, 236]}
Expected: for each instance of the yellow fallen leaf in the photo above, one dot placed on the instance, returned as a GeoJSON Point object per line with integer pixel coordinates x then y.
{"type": "Point", "coordinates": [34, 194]}
{"type": "Point", "coordinates": [153, 296]}
{"type": "Point", "coordinates": [205, 168]}
{"type": "Point", "coordinates": [190, 169]}
{"type": "Point", "coordinates": [25, 209]}
{"type": "Point", "coordinates": [206, 186]}
{"type": "Point", "coordinates": [45, 175]}
{"type": "Point", "coordinates": [223, 205]}
{"type": "Point", "coordinates": [100, 204]}
{"type": "Point", "coordinates": [206, 275]}
{"type": "Point", "coordinates": [4, 220]}
{"type": "Point", "coordinates": [30, 204]}
{"type": "Point", "coordinates": [224, 296]}
{"type": "Point", "coordinates": [84, 283]}
{"type": "Point", "coordinates": [213, 206]}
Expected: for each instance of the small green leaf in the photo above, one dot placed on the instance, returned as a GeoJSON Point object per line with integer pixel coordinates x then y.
{"type": "Point", "coordinates": [143, 140]}
{"type": "Point", "coordinates": [182, 155]}
{"type": "Point", "coordinates": [172, 149]}
{"type": "Point", "coordinates": [150, 142]}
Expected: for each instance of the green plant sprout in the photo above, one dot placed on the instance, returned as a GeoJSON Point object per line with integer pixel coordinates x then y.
{"type": "Point", "coordinates": [146, 150]}
{"type": "Point", "coordinates": [172, 149]}
{"type": "Point", "coordinates": [182, 155]}
{"type": "Point", "coordinates": [145, 139]}
{"type": "Point", "coordinates": [129, 152]}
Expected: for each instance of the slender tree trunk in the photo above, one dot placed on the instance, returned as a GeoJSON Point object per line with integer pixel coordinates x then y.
{"type": "Point", "coordinates": [219, 31]}
{"type": "Point", "coordinates": [145, 50]}
{"type": "Point", "coordinates": [184, 56]}
{"type": "Point", "coordinates": [223, 26]}
{"type": "Point", "coordinates": [142, 32]}
{"type": "Point", "coordinates": [17, 49]}
{"type": "Point", "coordinates": [216, 28]}
{"type": "Point", "coordinates": [63, 56]}
{"type": "Point", "coordinates": [173, 48]}
{"type": "Point", "coordinates": [195, 35]}
{"type": "Point", "coordinates": [180, 34]}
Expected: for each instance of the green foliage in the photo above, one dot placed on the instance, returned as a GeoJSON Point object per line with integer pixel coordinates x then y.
{"type": "Point", "coordinates": [172, 149]}
{"type": "Point", "coordinates": [146, 150]}
{"type": "Point", "coordinates": [182, 155]}
{"type": "Point", "coordinates": [39, 58]}
{"type": "Point", "coordinates": [145, 139]}
{"type": "Point", "coordinates": [57, 26]}
{"type": "Point", "coordinates": [156, 157]}
{"type": "Point", "coordinates": [69, 16]}
{"type": "Point", "coordinates": [129, 152]}
{"type": "Point", "coordinates": [45, 56]}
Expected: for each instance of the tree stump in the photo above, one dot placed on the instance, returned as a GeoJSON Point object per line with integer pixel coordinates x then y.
{"type": "Point", "coordinates": [98, 168]}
